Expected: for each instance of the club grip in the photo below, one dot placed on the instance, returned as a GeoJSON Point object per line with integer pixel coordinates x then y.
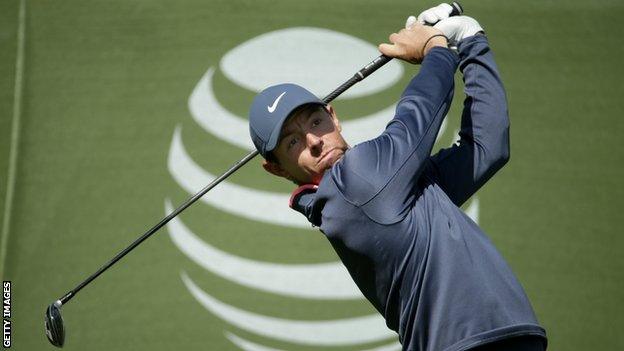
{"type": "Point", "coordinates": [457, 9]}
{"type": "Point", "coordinates": [376, 64]}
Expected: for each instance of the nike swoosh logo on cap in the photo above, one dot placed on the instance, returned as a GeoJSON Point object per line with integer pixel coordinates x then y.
{"type": "Point", "coordinates": [272, 108]}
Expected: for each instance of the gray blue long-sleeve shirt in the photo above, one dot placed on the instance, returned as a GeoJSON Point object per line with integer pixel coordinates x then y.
{"type": "Point", "coordinates": [390, 210]}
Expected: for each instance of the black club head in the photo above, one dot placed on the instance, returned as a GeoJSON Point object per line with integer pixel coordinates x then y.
{"type": "Point", "coordinates": [54, 324]}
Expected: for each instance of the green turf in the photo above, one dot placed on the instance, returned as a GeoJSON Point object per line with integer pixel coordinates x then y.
{"type": "Point", "coordinates": [107, 82]}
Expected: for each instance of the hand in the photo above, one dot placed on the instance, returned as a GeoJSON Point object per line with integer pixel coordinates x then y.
{"type": "Point", "coordinates": [434, 14]}
{"type": "Point", "coordinates": [455, 28]}
{"type": "Point", "coordinates": [458, 27]}
{"type": "Point", "coordinates": [413, 43]}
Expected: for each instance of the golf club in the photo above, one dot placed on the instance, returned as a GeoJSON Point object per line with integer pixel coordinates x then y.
{"type": "Point", "coordinates": [55, 330]}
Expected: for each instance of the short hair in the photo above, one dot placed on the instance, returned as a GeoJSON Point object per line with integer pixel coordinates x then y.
{"type": "Point", "coordinates": [271, 158]}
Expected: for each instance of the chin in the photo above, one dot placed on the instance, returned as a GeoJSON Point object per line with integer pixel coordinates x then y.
{"type": "Point", "coordinates": [329, 161]}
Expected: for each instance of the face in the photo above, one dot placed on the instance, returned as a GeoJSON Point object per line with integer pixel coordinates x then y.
{"type": "Point", "coordinates": [310, 143]}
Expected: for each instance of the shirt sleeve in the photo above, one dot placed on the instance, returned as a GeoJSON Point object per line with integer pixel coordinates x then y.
{"type": "Point", "coordinates": [380, 175]}
{"type": "Point", "coordinates": [483, 147]}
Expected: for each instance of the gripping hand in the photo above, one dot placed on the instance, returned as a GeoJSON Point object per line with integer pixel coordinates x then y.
{"type": "Point", "coordinates": [455, 28]}
{"type": "Point", "coordinates": [458, 28]}
{"type": "Point", "coordinates": [435, 14]}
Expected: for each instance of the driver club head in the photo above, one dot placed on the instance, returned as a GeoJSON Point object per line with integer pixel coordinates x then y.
{"type": "Point", "coordinates": [54, 324]}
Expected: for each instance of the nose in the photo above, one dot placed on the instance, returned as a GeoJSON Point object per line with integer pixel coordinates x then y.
{"type": "Point", "coordinates": [315, 143]}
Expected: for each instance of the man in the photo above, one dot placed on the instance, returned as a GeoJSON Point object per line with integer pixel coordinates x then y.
{"type": "Point", "coordinates": [390, 210]}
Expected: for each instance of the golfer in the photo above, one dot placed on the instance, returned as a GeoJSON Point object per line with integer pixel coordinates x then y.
{"type": "Point", "coordinates": [391, 210]}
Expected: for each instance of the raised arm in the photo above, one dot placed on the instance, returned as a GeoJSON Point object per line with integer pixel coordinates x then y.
{"type": "Point", "coordinates": [483, 146]}
{"type": "Point", "coordinates": [380, 175]}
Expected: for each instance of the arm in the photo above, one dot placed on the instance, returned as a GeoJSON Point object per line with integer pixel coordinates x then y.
{"type": "Point", "coordinates": [484, 136]}
{"type": "Point", "coordinates": [380, 175]}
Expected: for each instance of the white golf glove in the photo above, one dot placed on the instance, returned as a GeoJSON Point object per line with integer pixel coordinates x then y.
{"type": "Point", "coordinates": [455, 28]}
{"type": "Point", "coordinates": [435, 14]}
{"type": "Point", "coordinates": [431, 16]}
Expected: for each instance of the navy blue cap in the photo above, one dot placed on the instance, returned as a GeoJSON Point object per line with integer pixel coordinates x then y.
{"type": "Point", "coordinates": [269, 110]}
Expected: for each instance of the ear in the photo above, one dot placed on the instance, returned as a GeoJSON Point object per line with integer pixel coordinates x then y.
{"type": "Point", "coordinates": [332, 113]}
{"type": "Point", "coordinates": [275, 169]}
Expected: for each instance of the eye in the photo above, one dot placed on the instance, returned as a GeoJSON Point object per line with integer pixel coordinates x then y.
{"type": "Point", "coordinates": [316, 122]}
{"type": "Point", "coordinates": [292, 142]}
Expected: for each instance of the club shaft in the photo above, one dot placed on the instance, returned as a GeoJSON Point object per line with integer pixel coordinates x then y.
{"type": "Point", "coordinates": [360, 75]}
{"type": "Point", "coordinates": [363, 73]}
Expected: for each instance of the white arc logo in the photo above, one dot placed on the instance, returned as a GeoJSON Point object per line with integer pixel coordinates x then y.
{"type": "Point", "coordinates": [272, 108]}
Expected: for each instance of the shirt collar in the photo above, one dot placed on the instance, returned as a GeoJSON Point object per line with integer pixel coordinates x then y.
{"type": "Point", "coordinates": [303, 200]}
{"type": "Point", "coordinates": [303, 189]}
